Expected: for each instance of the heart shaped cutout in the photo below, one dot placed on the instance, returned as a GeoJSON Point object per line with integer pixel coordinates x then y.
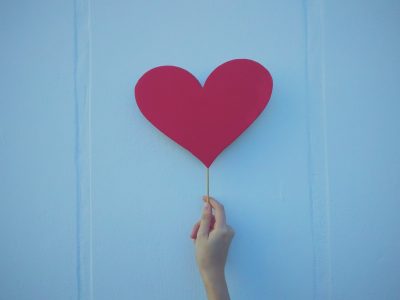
{"type": "Point", "coordinates": [204, 120]}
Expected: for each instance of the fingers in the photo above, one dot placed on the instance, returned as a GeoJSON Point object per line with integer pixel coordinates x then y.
{"type": "Point", "coordinates": [220, 218]}
{"type": "Point", "coordinates": [208, 220]}
{"type": "Point", "coordinates": [196, 226]}
{"type": "Point", "coordinates": [205, 221]}
{"type": "Point", "coordinates": [212, 223]}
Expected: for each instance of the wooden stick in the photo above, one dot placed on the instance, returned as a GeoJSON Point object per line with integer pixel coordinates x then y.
{"type": "Point", "coordinates": [208, 184]}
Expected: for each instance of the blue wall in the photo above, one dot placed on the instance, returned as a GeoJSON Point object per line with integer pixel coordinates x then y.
{"type": "Point", "coordinates": [97, 204]}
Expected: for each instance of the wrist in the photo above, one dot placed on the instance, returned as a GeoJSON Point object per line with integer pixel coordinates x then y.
{"type": "Point", "coordinates": [214, 276]}
{"type": "Point", "coordinates": [215, 285]}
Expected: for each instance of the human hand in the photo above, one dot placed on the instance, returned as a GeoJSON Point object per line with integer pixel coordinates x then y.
{"type": "Point", "coordinates": [212, 237]}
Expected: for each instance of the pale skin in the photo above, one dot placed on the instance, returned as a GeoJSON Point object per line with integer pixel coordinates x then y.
{"type": "Point", "coordinates": [212, 237]}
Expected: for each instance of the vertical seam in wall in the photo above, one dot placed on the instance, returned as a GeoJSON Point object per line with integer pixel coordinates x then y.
{"type": "Point", "coordinates": [83, 162]}
{"type": "Point", "coordinates": [318, 148]}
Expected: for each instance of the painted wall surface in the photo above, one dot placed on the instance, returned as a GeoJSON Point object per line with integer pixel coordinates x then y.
{"type": "Point", "coordinates": [38, 241]}
{"type": "Point", "coordinates": [95, 203]}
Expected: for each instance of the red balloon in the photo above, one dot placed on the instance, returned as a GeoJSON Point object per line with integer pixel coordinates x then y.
{"type": "Point", "coordinates": [204, 120]}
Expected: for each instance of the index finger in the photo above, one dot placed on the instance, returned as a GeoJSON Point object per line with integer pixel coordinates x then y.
{"type": "Point", "coordinates": [220, 218]}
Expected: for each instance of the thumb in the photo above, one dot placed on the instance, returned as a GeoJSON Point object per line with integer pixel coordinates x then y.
{"type": "Point", "coordinates": [205, 221]}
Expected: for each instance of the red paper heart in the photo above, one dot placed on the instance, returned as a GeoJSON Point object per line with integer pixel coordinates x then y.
{"type": "Point", "coordinates": [204, 120]}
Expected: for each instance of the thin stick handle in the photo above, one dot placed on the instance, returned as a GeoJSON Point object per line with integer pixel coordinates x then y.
{"type": "Point", "coordinates": [208, 184]}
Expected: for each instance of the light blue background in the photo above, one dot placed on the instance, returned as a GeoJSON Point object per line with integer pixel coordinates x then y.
{"type": "Point", "coordinates": [97, 204]}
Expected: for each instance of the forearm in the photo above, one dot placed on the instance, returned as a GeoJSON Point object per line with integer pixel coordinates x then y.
{"type": "Point", "coordinates": [216, 287]}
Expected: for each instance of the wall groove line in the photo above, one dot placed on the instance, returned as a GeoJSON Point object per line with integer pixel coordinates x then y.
{"type": "Point", "coordinates": [83, 162]}
{"type": "Point", "coordinates": [317, 155]}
